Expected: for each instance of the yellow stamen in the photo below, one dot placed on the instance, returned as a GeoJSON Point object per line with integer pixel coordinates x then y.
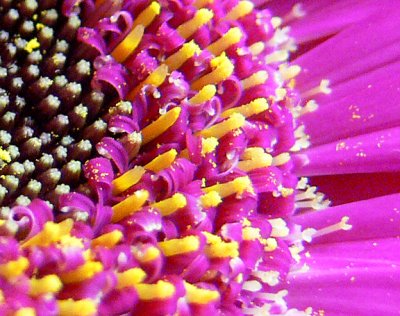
{"type": "Point", "coordinates": [281, 159]}
{"type": "Point", "coordinates": [150, 254]}
{"type": "Point", "coordinates": [160, 125]}
{"type": "Point", "coordinates": [190, 27]}
{"type": "Point", "coordinates": [251, 152]}
{"type": "Point", "coordinates": [128, 179]}
{"type": "Point", "coordinates": [160, 290]}
{"type": "Point", "coordinates": [259, 77]}
{"type": "Point", "coordinates": [198, 4]}
{"type": "Point", "coordinates": [108, 240]}
{"type": "Point", "coordinates": [289, 72]}
{"type": "Point", "coordinates": [208, 145]}
{"type": "Point", "coordinates": [251, 233]}
{"type": "Point", "coordinates": [129, 205]}
{"type": "Point", "coordinates": [179, 246]}
{"type": "Point", "coordinates": [210, 199]}
{"type": "Point", "coordinates": [5, 155]}
{"type": "Point", "coordinates": [48, 284]}
{"type": "Point", "coordinates": [52, 232]}
{"type": "Point", "coordinates": [177, 59]}
{"type": "Point", "coordinates": [130, 277]}
{"type": "Point", "coordinates": [323, 88]}
{"type": "Point", "coordinates": [156, 78]}
{"type": "Point", "coordinates": [25, 311]}
{"type": "Point", "coordinates": [147, 15]}
{"type": "Point", "coordinates": [162, 161]}
{"type": "Point", "coordinates": [196, 295]}
{"type": "Point", "coordinates": [170, 205]}
{"type": "Point", "coordinates": [257, 48]}
{"type": "Point", "coordinates": [14, 268]}
{"type": "Point", "coordinates": [277, 56]}
{"type": "Point", "coordinates": [254, 107]}
{"type": "Point", "coordinates": [217, 248]}
{"type": "Point", "coordinates": [236, 186]}
{"type": "Point", "coordinates": [84, 272]}
{"type": "Point", "coordinates": [85, 307]}
{"type": "Point", "coordinates": [279, 227]}
{"type": "Point", "coordinates": [240, 10]}
{"type": "Point", "coordinates": [205, 94]}
{"type": "Point", "coordinates": [230, 38]}
{"type": "Point", "coordinates": [256, 162]}
{"type": "Point", "coordinates": [222, 68]}
{"type": "Point", "coordinates": [122, 51]}
{"type": "Point", "coordinates": [235, 121]}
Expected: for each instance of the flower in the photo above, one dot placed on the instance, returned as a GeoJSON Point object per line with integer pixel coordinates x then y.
{"type": "Point", "coordinates": [160, 172]}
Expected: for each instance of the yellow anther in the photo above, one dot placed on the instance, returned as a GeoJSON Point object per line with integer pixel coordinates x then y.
{"type": "Point", "coordinates": [190, 27]}
{"type": "Point", "coordinates": [149, 254]}
{"type": "Point", "coordinates": [277, 56]}
{"type": "Point", "coordinates": [230, 38]}
{"type": "Point", "coordinates": [160, 290]}
{"type": "Point", "coordinates": [236, 186]}
{"type": "Point", "coordinates": [128, 179]}
{"type": "Point", "coordinates": [46, 285]}
{"type": "Point", "coordinates": [254, 107]}
{"type": "Point", "coordinates": [5, 155]}
{"type": "Point", "coordinates": [32, 45]}
{"type": "Point", "coordinates": [257, 48]}
{"type": "Point", "coordinates": [177, 59]}
{"type": "Point", "coordinates": [156, 78]}
{"type": "Point", "coordinates": [279, 227]}
{"type": "Point", "coordinates": [217, 248]}
{"type": "Point", "coordinates": [259, 77]}
{"type": "Point", "coordinates": [85, 307]}
{"type": "Point", "coordinates": [251, 233]}
{"type": "Point", "coordinates": [25, 311]}
{"type": "Point", "coordinates": [256, 162]}
{"type": "Point", "coordinates": [198, 4]}
{"type": "Point", "coordinates": [210, 199]}
{"type": "Point", "coordinates": [147, 15]}
{"type": "Point", "coordinates": [52, 232]}
{"type": "Point", "coordinates": [205, 94]}
{"type": "Point", "coordinates": [130, 277]}
{"type": "Point", "coordinates": [208, 145]}
{"type": "Point", "coordinates": [221, 67]}
{"type": "Point", "coordinates": [14, 268]}
{"type": "Point", "coordinates": [240, 10]}
{"type": "Point", "coordinates": [162, 161]}
{"type": "Point", "coordinates": [160, 125]}
{"type": "Point", "coordinates": [219, 130]}
{"type": "Point", "coordinates": [251, 152]}
{"type": "Point", "coordinates": [270, 244]}
{"type": "Point", "coordinates": [122, 51]}
{"type": "Point", "coordinates": [130, 205]}
{"type": "Point", "coordinates": [289, 72]}
{"type": "Point", "coordinates": [84, 272]}
{"type": "Point", "coordinates": [179, 246]}
{"type": "Point", "coordinates": [108, 240]}
{"type": "Point", "coordinates": [281, 159]}
{"type": "Point", "coordinates": [196, 295]}
{"type": "Point", "coordinates": [170, 205]}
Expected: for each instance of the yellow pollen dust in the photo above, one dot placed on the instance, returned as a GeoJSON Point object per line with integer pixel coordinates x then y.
{"type": "Point", "coordinates": [156, 78]}
{"type": "Point", "coordinates": [170, 205]}
{"type": "Point", "coordinates": [210, 199]}
{"type": "Point", "coordinates": [130, 205]}
{"type": "Point", "coordinates": [52, 232]}
{"type": "Point", "coordinates": [25, 311]}
{"type": "Point", "coordinates": [108, 240]}
{"type": "Point", "coordinates": [205, 94]}
{"type": "Point", "coordinates": [160, 125]}
{"type": "Point", "coordinates": [251, 233]}
{"type": "Point", "coordinates": [233, 36]}
{"type": "Point", "coordinates": [85, 307]}
{"type": "Point", "coordinates": [190, 27]}
{"type": "Point", "coordinates": [196, 295]}
{"type": "Point", "coordinates": [32, 45]}
{"type": "Point", "coordinates": [208, 145]}
{"type": "Point", "coordinates": [240, 10]}
{"type": "Point", "coordinates": [128, 179]}
{"type": "Point", "coordinates": [84, 272]}
{"type": "Point", "coordinates": [5, 155]}
{"type": "Point", "coordinates": [48, 284]}
{"type": "Point", "coordinates": [160, 290]}
{"type": "Point", "coordinates": [217, 248]}
{"type": "Point", "coordinates": [14, 268]}
{"type": "Point", "coordinates": [259, 77]}
{"type": "Point", "coordinates": [177, 59]}
{"type": "Point", "coordinates": [179, 246]}
{"type": "Point", "coordinates": [130, 277]}
{"type": "Point", "coordinates": [162, 161]}
{"type": "Point", "coordinates": [235, 121]}
{"type": "Point", "coordinates": [148, 15]}
{"type": "Point", "coordinates": [254, 107]}
{"type": "Point", "coordinates": [236, 186]}
{"type": "Point", "coordinates": [222, 68]}
{"type": "Point", "coordinates": [128, 45]}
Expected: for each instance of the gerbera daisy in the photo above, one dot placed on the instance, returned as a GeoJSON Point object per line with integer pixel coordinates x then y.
{"type": "Point", "coordinates": [155, 153]}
